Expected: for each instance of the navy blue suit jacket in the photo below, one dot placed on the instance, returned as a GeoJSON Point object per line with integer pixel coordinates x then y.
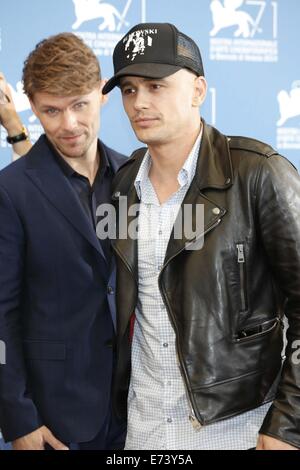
{"type": "Point", "coordinates": [56, 313]}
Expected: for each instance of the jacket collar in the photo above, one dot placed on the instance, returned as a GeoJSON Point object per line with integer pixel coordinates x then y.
{"type": "Point", "coordinates": [214, 167]}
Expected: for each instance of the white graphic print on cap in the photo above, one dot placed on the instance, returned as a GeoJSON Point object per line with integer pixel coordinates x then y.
{"type": "Point", "coordinates": [138, 40]}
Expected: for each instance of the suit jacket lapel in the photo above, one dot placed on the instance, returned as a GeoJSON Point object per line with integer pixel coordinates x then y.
{"type": "Point", "coordinates": [45, 173]}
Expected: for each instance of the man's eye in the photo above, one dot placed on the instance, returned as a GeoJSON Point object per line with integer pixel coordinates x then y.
{"type": "Point", "coordinates": [80, 105]}
{"type": "Point", "coordinates": [51, 111]}
{"type": "Point", "coordinates": [127, 91]}
{"type": "Point", "coordinates": [155, 86]}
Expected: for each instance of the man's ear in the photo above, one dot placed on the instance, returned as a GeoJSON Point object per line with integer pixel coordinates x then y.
{"type": "Point", "coordinates": [104, 98]}
{"type": "Point", "coordinates": [200, 89]}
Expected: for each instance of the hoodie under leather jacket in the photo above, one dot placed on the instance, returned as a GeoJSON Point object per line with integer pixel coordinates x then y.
{"type": "Point", "coordinates": [227, 299]}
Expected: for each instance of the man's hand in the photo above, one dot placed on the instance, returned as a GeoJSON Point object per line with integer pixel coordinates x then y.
{"type": "Point", "coordinates": [10, 119]}
{"type": "Point", "coordinates": [270, 443]}
{"type": "Point", "coordinates": [37, 440]}
{"type": "Point", "coordinates": [8, 114]}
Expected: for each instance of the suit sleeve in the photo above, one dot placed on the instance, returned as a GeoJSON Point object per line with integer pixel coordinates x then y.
{"type": "Point", "coordinates": [278, 204]}
{"type": "Point", "coordinates": [18, 415]}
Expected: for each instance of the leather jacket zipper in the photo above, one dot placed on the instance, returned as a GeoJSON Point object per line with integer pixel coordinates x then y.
{"type": "Point", "coordinates": [195, 423]}
{"type": "Point", "coordinates": [192, 416]}
{"type": "Point", "coordinates": [241, 263]}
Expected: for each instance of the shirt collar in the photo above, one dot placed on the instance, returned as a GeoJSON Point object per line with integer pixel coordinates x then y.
{"type": "Point", "coordinates": [69, 171]}
{"type": "Point", "coordinates": [185, 175]}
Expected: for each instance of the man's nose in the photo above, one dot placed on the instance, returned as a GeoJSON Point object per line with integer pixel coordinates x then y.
{"type": "Point", "coordinates": [141, 100]}
{"type": "Point", "coordinates": [69, 120]}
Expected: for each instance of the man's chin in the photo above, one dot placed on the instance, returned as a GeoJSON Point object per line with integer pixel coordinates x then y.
{"type": "Point", "coordinates": [147, 139]}
{"type": "Point", "coordinates": [142, 136]}
{"type": "Point", "coordinates": [68, 152]}
{"type": "Point", "coordinates": [148, 136]}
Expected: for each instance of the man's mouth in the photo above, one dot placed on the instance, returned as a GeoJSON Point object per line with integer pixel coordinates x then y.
{"type": "Point", "coordinates": [71, 138]}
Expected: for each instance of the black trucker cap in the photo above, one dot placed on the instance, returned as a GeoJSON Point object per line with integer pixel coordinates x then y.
{"type": "Point", "coordinates": [154, 50]}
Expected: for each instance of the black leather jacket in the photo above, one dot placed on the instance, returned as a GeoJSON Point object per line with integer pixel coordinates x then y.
{"type": "Point", "coordinates": [226, 300]}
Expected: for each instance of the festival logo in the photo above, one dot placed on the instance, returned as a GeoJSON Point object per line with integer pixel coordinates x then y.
{"type": "Point", "coordinates": [228, 15]}
{"type": "Point", "coordinates": [244, 30]}
{"type": "Point", "coordinates": [111, 19]}
{"type": "Point", "coordinates": [288, 124]}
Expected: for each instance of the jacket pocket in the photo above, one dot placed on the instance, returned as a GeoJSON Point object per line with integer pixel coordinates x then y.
{"type": "Point", "coordinates": [241, 260]}
{"type": "Point", "coordinates": [44, 350]}
{"type": "Point", "coordinates": [256, 331]}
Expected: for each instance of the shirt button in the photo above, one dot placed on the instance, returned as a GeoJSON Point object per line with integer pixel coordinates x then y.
{"type": "Point", "coordinates": [160, 232]}
{"type": "Point", "coordinates": [110, 290]}
{"type": "Point", "coordinates": [165, 345]}
{"type": "Point", "coordinates": [169, 420]}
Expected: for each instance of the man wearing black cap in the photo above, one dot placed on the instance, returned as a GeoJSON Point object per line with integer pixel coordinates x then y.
{"type": "Point", "coordinates": [203, 347]}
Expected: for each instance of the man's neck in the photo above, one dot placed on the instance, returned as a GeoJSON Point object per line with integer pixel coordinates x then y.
{"type": "Point", "coordinates": [167, 161]}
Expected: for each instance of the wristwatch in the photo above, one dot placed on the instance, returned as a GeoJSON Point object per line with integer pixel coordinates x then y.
{"type": "Point", "coordinates": [18, 138]}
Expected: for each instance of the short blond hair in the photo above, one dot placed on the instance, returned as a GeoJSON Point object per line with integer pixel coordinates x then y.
{"type": "Point", "coordinates": [61, 65]}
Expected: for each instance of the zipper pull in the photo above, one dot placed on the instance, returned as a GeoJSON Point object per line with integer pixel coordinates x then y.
{"type": "Point", "coordinates": [241, 255]}
{"type": "Point", "coordinates": [195, 423]}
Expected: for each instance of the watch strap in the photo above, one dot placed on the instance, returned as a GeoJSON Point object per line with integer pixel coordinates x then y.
{"type": "Point", "coordinates": [19, 137]}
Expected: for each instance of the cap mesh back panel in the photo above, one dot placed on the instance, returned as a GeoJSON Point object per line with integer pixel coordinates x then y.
{"type": "Point", "coordinates": [188, 54]}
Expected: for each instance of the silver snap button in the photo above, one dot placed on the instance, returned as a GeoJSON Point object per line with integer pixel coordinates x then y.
{"type": "Point", "coordinates": [216, 211]}
{"type": "Point", "coordinates": [117, 194]}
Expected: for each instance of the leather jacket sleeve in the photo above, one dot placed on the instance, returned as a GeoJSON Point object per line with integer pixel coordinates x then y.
{"type": "Point", "coordinates": [278, 215]}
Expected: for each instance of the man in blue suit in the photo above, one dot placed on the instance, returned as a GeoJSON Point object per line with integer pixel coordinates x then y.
{"type": "Point", "coordinates": [57, 308]}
